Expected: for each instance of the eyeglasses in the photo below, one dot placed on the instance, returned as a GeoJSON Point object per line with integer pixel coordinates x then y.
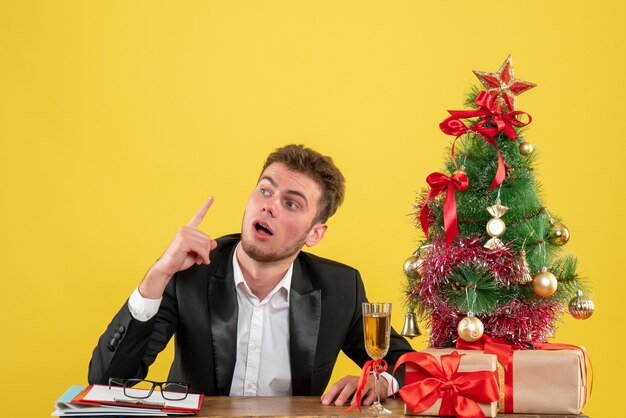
{"type": "Point", "coordinates": [142, 389]}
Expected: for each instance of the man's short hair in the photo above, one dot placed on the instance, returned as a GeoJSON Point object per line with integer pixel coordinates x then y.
{"type": "Point", "coordinates": [320, 168]}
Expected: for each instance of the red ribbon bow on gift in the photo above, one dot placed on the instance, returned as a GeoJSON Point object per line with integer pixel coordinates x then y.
{"type": "Point", "coordinates": [460, 392]}
{"type": "Point", "coordinates": [504, 351]}
{"type": "Point", "coordinates": [439, 183]}
{"type": "Point", "coordinates": [376, 366]}
{"type": "Point", "coordinates": [489, 113]}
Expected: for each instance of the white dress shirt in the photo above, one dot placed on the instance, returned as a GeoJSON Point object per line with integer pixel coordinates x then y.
{"type": "Point", "coordinates": [262, 366]}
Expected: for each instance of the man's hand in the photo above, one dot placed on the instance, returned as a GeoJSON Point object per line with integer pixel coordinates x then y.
{"type": "Point", "coordinates": [345, 388]}
{"type": "Point", "coordinates": [189, 246]}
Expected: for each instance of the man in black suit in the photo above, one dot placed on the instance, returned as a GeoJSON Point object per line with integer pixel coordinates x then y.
{"type": "Point", "coordinates": [252, 314]}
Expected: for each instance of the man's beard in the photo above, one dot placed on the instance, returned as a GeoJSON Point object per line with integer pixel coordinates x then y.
{"type": "Point", "coordinates": [264, 256]}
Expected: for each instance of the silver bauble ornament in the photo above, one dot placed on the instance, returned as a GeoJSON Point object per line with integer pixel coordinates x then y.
{"type": "Point", "coordinates": [581, 307]}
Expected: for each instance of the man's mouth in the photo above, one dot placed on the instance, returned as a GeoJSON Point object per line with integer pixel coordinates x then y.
{"type": "Point", "coordinates": [259, 226]}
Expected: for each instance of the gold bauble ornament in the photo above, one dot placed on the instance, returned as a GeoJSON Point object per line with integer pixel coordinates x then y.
{"type": "Point", "coordinates": [544, 283]}
{"type": "Point", "coordinates": [470, 329]}
{"type": "Point", "coordinates": [526, 148]}
{"type": "Point", "coordinates": [559, 234]}
{"type": "Point", "coordinates": [412, 267]}
{"type": "Point", "coordinates": [460, 170]}
{"type": "Point", "coordinates": [581, 307]}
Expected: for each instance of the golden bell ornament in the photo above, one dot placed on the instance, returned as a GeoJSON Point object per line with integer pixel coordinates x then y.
{"type": "Point", "coordinates": [559, 234]}
{"type": "Point", "coordinates": [412, 267]}
{"type": "Point", "coordinates": [544, 283]}
{"type": "Point", "coordinates": [410, 328]}
{"type": "Point", "coordinates": [470, 329]}
{"type": "Point", "coordinates": [580, 307]}
{"type": "Point", "coordinates": [526, 148]}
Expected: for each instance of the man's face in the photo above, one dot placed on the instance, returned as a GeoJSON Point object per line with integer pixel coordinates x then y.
{"type": "Point", "coordinates": [279, 215]}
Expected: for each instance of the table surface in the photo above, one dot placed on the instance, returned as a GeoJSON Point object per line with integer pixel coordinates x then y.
{"type": "Point", "coordinates": [302, 407]}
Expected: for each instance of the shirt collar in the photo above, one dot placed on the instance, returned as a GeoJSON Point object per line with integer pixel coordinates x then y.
{"type": "Point", "coordinates": [240, 282]}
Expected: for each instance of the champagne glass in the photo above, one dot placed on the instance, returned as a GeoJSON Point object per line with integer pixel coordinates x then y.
{"type": "Point", "coordinates": [376, 330]}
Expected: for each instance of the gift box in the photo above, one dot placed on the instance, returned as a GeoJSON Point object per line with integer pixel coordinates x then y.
{"type": "Point", "coordinates": [548, 381]}
{"type": "Point", "coordinates": [443, 382]}
{"type": "Point", "coordinates": [551, 379]}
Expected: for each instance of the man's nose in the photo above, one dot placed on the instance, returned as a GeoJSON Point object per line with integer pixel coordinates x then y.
{"type": "Point", "coordinates": [269, 206]}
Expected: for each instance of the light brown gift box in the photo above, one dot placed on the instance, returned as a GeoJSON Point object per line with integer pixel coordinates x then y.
{"type": "Point", "coordinates": [544, 381]}
{"type": "Point", "coordinates": [473, 361]}
{"type": "Point", "coordinates": [548, 381]}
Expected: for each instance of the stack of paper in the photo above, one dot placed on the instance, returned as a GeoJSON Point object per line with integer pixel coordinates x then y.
{"type": "Point", "coordinates": [98, 400]}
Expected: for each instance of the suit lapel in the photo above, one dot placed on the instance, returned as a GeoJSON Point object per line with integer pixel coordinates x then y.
{"type": "Point", "coordinates": [305, 309]}
{"type": "Point", "coordinates": [223, 310]}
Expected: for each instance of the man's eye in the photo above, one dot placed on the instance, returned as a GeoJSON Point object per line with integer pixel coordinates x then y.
{"type": "Point", "coordinates": [264, 192]}
{"type": "Point", "coordinates": [292, 205]}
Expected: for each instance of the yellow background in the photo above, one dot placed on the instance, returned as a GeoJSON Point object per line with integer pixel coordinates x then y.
{"type": "Point", "coordinates": [118, 118]}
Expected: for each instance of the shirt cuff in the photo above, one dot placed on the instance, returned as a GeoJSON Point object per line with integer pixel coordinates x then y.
{"type": "Point", "coordinates": [143, 309]}
{"type": "Point", "coordinates": [392, 384]}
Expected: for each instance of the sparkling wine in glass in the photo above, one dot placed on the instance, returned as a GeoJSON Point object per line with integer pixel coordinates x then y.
{"type": "Point", "coordinates": [376, 330]}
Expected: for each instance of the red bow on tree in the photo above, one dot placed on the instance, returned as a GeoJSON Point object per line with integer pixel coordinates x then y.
{"type": "Point", "coordinates": [439, 183]}
{"type": "Point", "coordinates": [490, 114]}
{"type": "Point", "coordinates": [460, 392]}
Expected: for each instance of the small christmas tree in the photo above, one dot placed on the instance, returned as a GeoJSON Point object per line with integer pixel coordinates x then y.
{"type": "Point", "coordinates": [489, 261]}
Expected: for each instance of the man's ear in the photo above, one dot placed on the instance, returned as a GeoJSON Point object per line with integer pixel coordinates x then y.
{"type": "Point", "coordinates": [316, 234]}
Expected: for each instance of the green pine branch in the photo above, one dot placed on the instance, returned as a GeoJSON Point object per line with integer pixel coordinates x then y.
{"type": "Point", "coordinates": [472, 287]}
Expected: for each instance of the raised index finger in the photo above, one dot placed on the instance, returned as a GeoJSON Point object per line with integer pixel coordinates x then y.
{"type": "Point", "coordinates": [199, 216]}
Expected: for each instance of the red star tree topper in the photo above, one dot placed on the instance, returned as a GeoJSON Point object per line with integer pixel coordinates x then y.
{"type": "Point", "coordinates": [503, 85]}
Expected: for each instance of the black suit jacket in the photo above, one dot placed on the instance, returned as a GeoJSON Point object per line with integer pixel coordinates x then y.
{"type": "Point", "coordinates": [200, 308]}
